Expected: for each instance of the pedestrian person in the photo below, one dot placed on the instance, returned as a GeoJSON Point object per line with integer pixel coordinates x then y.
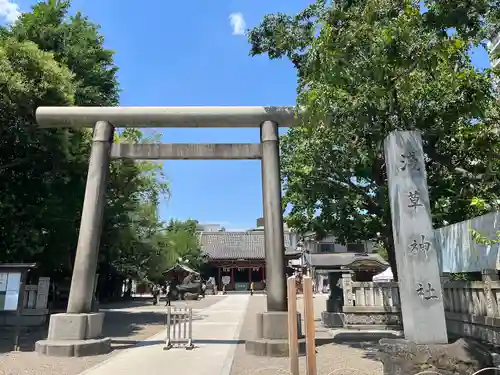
{"type": "Point", "coordinates": [251, 288]}
{"type": "Point", "coordinates": [203, 289]}
{"type": "Point", "coordinates": [156, 293]}
{"type": "Point", "coordinates": [168, 295]}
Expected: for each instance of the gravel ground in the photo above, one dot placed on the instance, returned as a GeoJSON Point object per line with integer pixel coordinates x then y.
{"type": "Point", "coordinates": [338, 359]}
{"type": "Point", "coordinates": [126, 323]}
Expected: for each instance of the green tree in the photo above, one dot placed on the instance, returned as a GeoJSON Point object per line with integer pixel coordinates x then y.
{"type": "Point", "coordinates": [366, 68]}
{"type": "Point", "coordinates": [135, 188]}
{"type": "Point", "coordinates": [177, 242]}
{"type": "Point", "coordinates": [132, 218]}
{"type": "Point", "coordinates": [77, 45]}
{"type": "Point", "coordinates": [32, 162]}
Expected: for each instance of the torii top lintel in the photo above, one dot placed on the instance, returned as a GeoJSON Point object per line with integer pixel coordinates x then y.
{"type": "Point", "coordinates": [165, 117]}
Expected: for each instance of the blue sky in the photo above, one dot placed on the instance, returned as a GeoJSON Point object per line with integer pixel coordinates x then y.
{"type": "Point", "coordinates": [174, 53]}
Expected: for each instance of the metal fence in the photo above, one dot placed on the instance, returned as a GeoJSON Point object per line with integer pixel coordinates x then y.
{"type": "Point", "coordinates": [179, 328]}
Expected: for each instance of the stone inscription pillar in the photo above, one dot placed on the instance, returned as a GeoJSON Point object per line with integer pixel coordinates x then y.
{"type": "Point", "coordinates": [84, 270]}
{"type": "Point", "coordinates": [416, 257]}
{"type": "Point", "coordinates": [273, 218]}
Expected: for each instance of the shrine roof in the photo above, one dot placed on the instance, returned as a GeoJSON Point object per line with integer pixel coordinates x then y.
{"type": "Point", "coordinates": [180, 267]}
{"type": "Point", "coordinates": [239, 245]}
{"type": "Point", "coordinates": [347, 260]}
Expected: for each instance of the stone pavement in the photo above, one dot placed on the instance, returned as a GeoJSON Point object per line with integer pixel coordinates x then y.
{"type": "Point", "coordinates": [215, 334]}
{"type": "Point", "coordinates": [336, 353]}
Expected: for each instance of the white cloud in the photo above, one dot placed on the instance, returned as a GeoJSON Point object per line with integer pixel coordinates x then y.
{"type": "Point", "coordinates": [9, 11]}
{"type": "Point", "coordinates": [237, 23]}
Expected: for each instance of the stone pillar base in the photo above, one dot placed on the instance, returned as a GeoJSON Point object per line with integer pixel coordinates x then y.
{"type": "Point", "coordinates": [73, 348]}
{"type": "Point", "coordinates": [463, 357]}
{"type": "Point", "coordinates": [272, 335]}
{"type": "Point", "coordinates": [74, 335]}
{"type": "Point", "coordinates": [332, 319]}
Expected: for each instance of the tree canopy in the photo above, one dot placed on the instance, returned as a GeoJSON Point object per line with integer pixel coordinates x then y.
{"type": "Point", "coordinates": [49, 57]}
{"type": "Point", "coordinates": [32, 163]}
{"type": "Point", "coordinates": [369, 67]}
{"type": "Point", "coordinates": [178, 242]}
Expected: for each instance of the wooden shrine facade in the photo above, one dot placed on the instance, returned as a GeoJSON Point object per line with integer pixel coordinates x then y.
{"type": "Point", "coordinates": [239, 274]}
{"type": "Point", "coordinates": [236, 259]}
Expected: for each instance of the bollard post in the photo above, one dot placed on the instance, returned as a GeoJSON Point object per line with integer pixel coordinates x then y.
{"type": "Point", "coordinates": [179, 328]}
{"type": "Point", "coordinates": [310, 327]}
{"type": "Point", "coordinates": [168, 342]}
{"type": "Point", "coordinates": [174, 324]}
{"type": "Point", "coordinates": [293, 344]}
{"type": "Point", "coordinates": [190, 327]}
{"type": "Point", "coordinates": [185, 321]}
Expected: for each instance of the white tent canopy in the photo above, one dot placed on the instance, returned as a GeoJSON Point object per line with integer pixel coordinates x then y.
{"type": "Point", "coordinates": [385, 276]}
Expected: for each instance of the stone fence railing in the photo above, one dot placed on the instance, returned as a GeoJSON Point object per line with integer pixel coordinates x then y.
{"type": "Point", "coordinates": [472, 308]}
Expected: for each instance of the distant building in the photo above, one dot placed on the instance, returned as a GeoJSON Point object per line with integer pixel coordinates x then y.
{"type": "Point", "coordinates": [237, 258]}
{"type": "Point", "coordinates": [321, 257]}
{"type": "Point", "coordinates": [493, 49]}
{"type": "Point", "coordinates": [210, 228]}
{"type": "Point", "coordinates": [494, 52]}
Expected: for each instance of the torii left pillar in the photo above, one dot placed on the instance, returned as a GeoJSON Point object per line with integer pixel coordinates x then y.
{"type": "Point", "coordinates": [78, 332]}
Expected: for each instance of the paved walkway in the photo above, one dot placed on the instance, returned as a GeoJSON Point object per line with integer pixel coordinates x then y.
{"type": "Point", "coordinates": [215, 334]}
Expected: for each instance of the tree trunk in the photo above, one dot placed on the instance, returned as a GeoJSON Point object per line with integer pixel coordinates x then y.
{"type": "Point", "coordinates": [380, 177]}
{"type": "Point", "coordinates": [389, 245]}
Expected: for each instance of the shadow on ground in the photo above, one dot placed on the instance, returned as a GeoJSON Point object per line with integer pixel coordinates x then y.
{"type": "Point", "coordinates": [367, 341]}
{"type": "Point", "coordinates": [125, 328]}
{"type": "Point", "coordinates": [127, 344]}
{"type": "Point", "coordinates": [220, 342]}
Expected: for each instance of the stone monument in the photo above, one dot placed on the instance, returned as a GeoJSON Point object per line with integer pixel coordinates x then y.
{"type": "Point", "coordinates": [416, 257]}
{"type": "Point", "coordinates": [426, 341]}
{"type": "Point", "coordinates": [333, 317]}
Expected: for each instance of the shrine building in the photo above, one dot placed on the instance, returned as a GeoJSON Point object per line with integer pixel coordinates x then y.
{"type": "Point", "coordinates": [237, 258]}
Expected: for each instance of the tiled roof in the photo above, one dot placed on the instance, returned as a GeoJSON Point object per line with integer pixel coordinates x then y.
{"type": "Point", "coordinates": [343, 259]}
{"type": "Point", "coordinates": [237, 245]}
{"type": "Point", "coordinates": [180, 267]}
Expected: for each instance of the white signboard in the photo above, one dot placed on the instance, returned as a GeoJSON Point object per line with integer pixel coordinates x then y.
{"type": "Point", "coordinates": [3, 282]}
{"type": "Point", "coordinates": [11, 299]}
{"type": "Point", "coordinates": [14, 282]}
{"type": "Point", "coordinates": [457, 250]}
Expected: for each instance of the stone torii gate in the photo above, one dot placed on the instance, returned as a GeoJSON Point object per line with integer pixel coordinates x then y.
{"type": "Point", "coordinates": [78, 332]}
